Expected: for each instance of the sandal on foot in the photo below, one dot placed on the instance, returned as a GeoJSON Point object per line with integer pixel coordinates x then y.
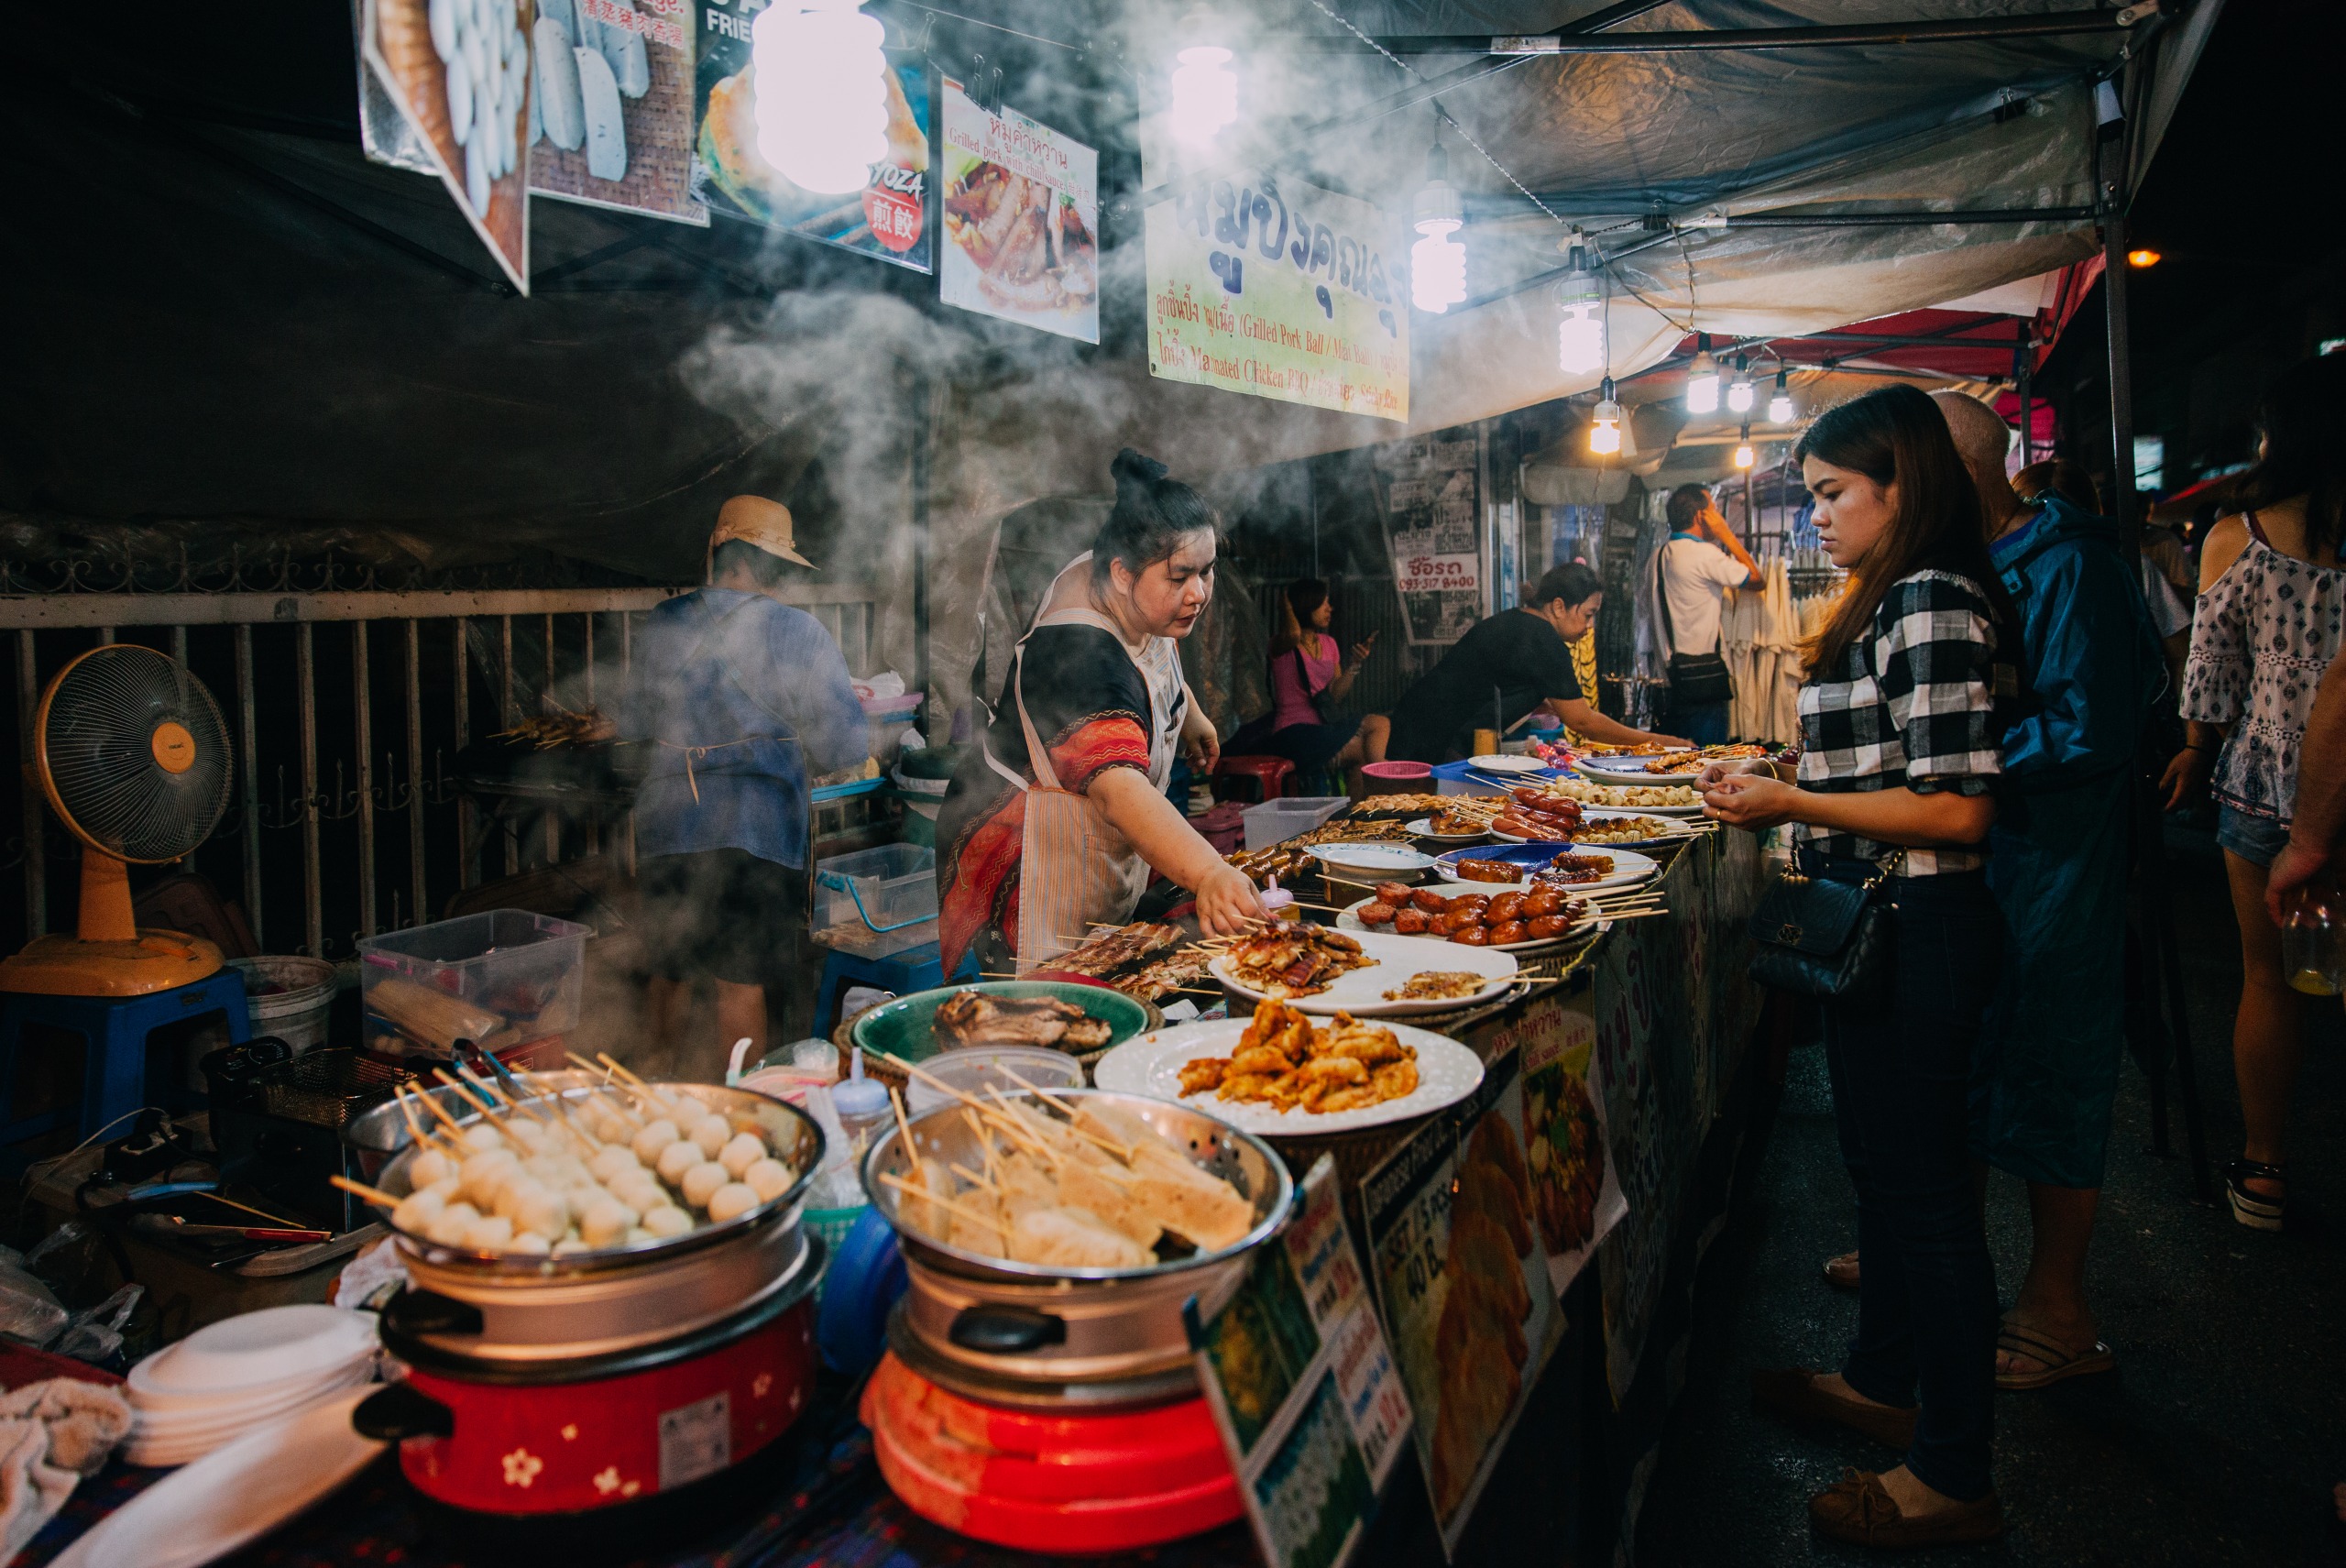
{"type": "Point", "coordinates": [1856, 1509]}
{"type": "Point", "coordinates": [1841, 1273]}
{"type": "Point", "coordinates": [1792, 1394]}
{"type": "Point", "coordinates": [2055, 1361]}
{"type": "Point", "coordinates": [2257, 1210]}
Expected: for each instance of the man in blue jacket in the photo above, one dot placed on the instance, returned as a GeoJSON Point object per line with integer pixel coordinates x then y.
{"type": "Point", "coordinates": [745, 700]}
{"type": "Point", "coordinates": [2091, 668]}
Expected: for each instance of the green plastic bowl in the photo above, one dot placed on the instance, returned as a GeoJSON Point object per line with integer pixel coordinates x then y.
{"type": "Point", "coordinates": [904, 1026]}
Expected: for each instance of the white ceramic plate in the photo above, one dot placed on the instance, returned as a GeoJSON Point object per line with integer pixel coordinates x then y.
{"type": "Point", "coordinates": [1349, 920]}
{"type": "Point", "coordinates": [1493, 762]}
{"type": "Point", "coordinates": [1692, 807]}
{"type": "Point", "coordinates": [1632, 776]}
{"type": "Point", "coordinates": [1423, 827]}
{"type": "Point", "coordinates": [232, 1494]}
{"type": "Point", "coordinates": [1361, 991]}
{"type": "Point", "coordinates": [1629, 867]}
{"type": "Point", "coordinates": [1151, 1064]}
{"type": "Point", "coordinates": [227, 1415]}
{"type": "Point", "coordinates": [1619, 812]}
{"type": "Point", "coordinates": [271, 1345]}
{"type": "Point", "coordinates": [1381, 860]}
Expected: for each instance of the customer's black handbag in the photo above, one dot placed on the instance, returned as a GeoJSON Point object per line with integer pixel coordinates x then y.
{"type": "Point", "coordinates": [1696, 680]}
{"type": "Point", "coordinates": [1816, 938]}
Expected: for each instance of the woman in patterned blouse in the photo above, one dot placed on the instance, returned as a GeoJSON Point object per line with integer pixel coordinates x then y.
{"type": "Point", "coordinates": [2272, 607]}
{"type": "Point", "coordinates": [1898, 734]}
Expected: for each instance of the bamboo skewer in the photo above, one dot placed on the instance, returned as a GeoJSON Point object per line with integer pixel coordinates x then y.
{"type": "Point", "coordinates": [1017, 1135]}
{"type": "Point", "coordinates": [973, 1179]}
{"type": "Point", "coordinates": [455, 1128]}
{"type": "Point", "coordinates": [375, 1195]}
{"type": "Point", "coordinates": [950, 1206]}
{"type": "Point", "coordinates": [487, 1109]}
{"type": "Point", "coordinates": [1125, 1152]}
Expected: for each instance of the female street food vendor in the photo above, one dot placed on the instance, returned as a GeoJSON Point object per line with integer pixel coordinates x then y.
{"type": "Point", "coordinates": [1516, 661]}
{"type": "Point", "coordinates": [1056, 820]}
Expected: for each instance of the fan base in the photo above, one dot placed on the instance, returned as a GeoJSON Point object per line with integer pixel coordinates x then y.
{"type": "Point", "coordinates": [68, 965]}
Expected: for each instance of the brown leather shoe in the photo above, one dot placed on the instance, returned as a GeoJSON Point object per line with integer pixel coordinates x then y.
{"type": "Point", "coordinates": [1791, 1394]}
{"type": "Point", "coordinates": [1857, 1510]}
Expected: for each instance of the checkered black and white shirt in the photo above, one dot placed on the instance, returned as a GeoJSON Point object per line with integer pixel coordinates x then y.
{"type": "Point", "coordinates": [1912, 705]}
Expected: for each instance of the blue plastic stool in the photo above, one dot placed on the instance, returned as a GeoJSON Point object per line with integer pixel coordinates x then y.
{"type": "Point", "coordinates": [115, 1031]}
{"type": "Point", "coordinates": [914, 969]}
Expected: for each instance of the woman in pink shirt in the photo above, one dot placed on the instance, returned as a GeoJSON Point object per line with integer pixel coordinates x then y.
{"type": "Point", "coordinates": [1307, 677]}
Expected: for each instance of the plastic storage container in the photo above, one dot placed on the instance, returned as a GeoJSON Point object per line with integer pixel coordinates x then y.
{"type": "Point", "coordinates": [877, 901]}
{"type": "Point", "coordinates": [1283, 816]}
{"type": "Point", "coordinates": [499, 979]}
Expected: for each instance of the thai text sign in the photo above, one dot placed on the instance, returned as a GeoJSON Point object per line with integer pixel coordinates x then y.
{"type": "Point", "coordinates": [1282, 290]}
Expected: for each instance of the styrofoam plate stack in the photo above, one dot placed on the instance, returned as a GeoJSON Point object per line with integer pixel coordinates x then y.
{"type": "Point", "coordinates": [226, 1379]}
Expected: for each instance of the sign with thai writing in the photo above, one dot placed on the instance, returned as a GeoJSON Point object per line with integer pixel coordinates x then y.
{"type": "Point", "coordinates": [887, 219]}
{"type": "Point", "coordinates": [1431, 486]}
{"type": "Point", "coordinates": [1464, 1272]}
{"type": "Point", "coordinates": [1021, 218]}
{"type": "Point", "coordinates": [1279, 288]}
{"type": "Point", "coordinates": [1295, 1369]}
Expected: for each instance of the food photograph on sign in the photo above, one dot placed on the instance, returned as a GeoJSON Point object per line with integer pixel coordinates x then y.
{"type": "Point", "coordinates": [611, 123]}
{"type": "Point", "coordinates": [773, 104]}
{"type": "Point", "coordinates": [459, 72]}
{"type": "Point", "coordinates": [1021, 220]}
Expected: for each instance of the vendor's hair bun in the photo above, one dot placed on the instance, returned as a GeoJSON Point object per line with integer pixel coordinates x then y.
{"type": "Point", "coordinates": [1152, 515]}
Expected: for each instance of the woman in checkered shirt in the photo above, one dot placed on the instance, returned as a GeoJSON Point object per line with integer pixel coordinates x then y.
{"type": "Point", "coordinates": [1899, 744]}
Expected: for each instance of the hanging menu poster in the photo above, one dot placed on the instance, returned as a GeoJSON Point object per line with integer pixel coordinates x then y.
{"type": "Point", "coordinates": [1431, 501]}
{"type": "Point", "coordinates": [1282, 290]}
{"type": "Point", "coordinates": [1022, 220]}
{"type": "Point", "coordinates": [461, 79]}
{"type": "Point", "coordinates": [1295, 1369]}
{"type": "Point", "coordinates": [1576, 1198]}
{"type": "Point", "coordinates": [613, 126]}
{"type": "Point", "coordinates": [888, 219]}
{"type": "Point", "coordinates": [1464, 1277]}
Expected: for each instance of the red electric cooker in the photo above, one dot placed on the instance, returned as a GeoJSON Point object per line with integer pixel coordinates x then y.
{"type": "Point", "coordinates": [612, 1399]}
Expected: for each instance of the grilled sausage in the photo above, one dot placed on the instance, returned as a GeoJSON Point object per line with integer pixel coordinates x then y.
{"type": "Point", "coordinates": [1508, 932]}
{"type": "Point", "coordinates": [1507, 907]}
{"type": "Point", "coordinates": [1392, 892]}
{"type": "Point", "coordinates": [1430, 901]}
{"type": "Point", "coordinates": [1476, 935]}
{"type": "Point", "coordinates": [1378, 913]}
{"type": "Point", "coordinates": [1543, 926]}
{"type": "Point", "coordinates": [1410, 922]}
{"type": "Point", "coordinates": [1541, 900]}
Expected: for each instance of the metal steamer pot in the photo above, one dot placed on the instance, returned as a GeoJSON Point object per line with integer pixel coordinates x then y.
{"type": "Point", "coordinates": [640, 1381]}
{"type": "Point", "coordinates": [1001, 1330]}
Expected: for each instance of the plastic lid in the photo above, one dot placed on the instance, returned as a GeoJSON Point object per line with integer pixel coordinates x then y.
{"type": "Point", "coordinates": [856, 1095]}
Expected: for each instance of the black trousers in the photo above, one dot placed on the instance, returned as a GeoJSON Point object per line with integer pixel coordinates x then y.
{"type": "Point", "coordinates": [1901, 1062]}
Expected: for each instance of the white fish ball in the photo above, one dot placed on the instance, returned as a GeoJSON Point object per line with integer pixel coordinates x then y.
{"type": "Point", "coordinates": [769, 1178]}
{"type": "Point", "coordinates": [510, 1197]}
{"type": "Point", "coordinates": [657, 1136]}
{"type": "Point", "coordinates": [677, 1158]}
{"type": "Point", "coordinates": [569, 1246]}
{"type": "Point", "coordinates": [417, 1210]}
{"type": "Point", "coordinates": [528, 1133]}
{"type": "Point", "coordinates": [639, 1192]}
{"type": "Point", "coordinates": [450, 1228]}
{"type": "Point", "coordinates": [532, 1242]}
{"type": "Point", "coordinates": [741, 1153]}
{"type": "Point", "coordinates": [480, 1137]}
{"type": "Point", "coordinates": [429, 1167]}
{"type": "Point", "coordinates": [703, 1180]}
{"type": "Point", "coordinates": [492, 1234]}
{"type": "Point", "coordinates": [542, 1214]}
{"type": "Point", "coordinates": [606, 1221]}
{"type": "Point", "coordinates": [731, 1202]}
{"type": "Point", "coordinates": [712, 1134]}
{"type": "Point", "coordinates": [613, 1161]}
{"type": "Point", "coordinates": [667, 1220]}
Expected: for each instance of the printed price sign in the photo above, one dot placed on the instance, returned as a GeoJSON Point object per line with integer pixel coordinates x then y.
{"type": "Point", "coordinates": [1424, 574]}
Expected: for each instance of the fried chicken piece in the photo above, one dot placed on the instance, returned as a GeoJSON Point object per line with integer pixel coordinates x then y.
{"type": "Point", "coordinates": [1395, 1079]}
{"type": "Point", "coordinates": [1204, 1073]}
{"type": "Point", "coordinates": [1243, 1087]}
{"type": "Point", "coordinates": [1266, 1060]}
{"type": "Point", "coordinates": [1363, 1042]}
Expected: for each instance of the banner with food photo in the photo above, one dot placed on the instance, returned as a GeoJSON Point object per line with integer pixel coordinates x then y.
{"type": "Point", "coordinates": [1463, 1276]}
{"type": "Point", "coordinates": [1265, 285]}
{"type": "Point", "coordinates": [611, 125]}
{"type": "Point", "coordinates": [1021, 220]}
{"type": "Point", "coordinates": [736, 174]}
{"type": "Point", "coordinates": [459, 71]}
{"type": "Point", "coordinates": [1576, 1198]}
{"type": "Point", "coordinates": [1304, 1392]}
{"type": "Point", "coordinates": [1430, 489]}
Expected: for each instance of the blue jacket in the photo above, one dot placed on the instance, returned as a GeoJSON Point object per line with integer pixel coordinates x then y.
{"type": "Point", "coordinates": [2090, 663]}
{"type": "Point", "coordinates": [746, 700]}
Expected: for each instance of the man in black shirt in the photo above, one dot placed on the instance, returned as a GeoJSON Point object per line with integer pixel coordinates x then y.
{"type": "Point", "coordinates": [1507, 665]}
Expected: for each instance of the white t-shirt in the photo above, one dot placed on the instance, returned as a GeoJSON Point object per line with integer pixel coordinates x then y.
{"type": "Point", "coordinates": [1693, 572]}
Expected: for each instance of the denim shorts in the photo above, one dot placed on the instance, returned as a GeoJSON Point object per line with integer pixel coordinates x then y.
{"type": "Point", "coordinates": [2256, 839]}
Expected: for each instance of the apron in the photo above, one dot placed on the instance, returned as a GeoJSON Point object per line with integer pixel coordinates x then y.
{"type": "Point", "coordinates": [1075, 867]}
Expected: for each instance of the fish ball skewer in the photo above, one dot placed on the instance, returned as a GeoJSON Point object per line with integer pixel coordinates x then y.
{"type": "Point", "coordinates": [709, 1134]}
{"type": "Point", "coordinates": [657, 1136]}
{"type": "Point", "coordinates": [605, 1223]}
{"type": "Point", "coordinates": [615, 1160]}
{"type": "Point", "coordinates": [731, 1202]}
{"type": "Point", "coordinates": [677, 1158]}
{"type": "Point", "coordinates": [667, 1220]}
{"type": "Point", "coordinates": [429, 1169]}
{"type": "Point", "coordinates": [454, 1223]}
{"type": "Point", "coordinates": [769, 1178]}
{"type": "Point", "coordinates": [739, 1153]}
{"type": "Point", "coordinates": [702, 1180]}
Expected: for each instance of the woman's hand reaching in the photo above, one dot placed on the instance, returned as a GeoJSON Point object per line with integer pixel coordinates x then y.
{"type": "Point", "coordinates": [1753, 800]}
{"type": "Point", "coordinates": [1227, 902]}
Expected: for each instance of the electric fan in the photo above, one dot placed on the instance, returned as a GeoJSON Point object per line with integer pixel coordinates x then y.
{"type": "Point", "coordinates": [133, 755]}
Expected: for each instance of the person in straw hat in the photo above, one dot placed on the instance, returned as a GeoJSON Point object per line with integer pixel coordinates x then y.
{"type": "Point", "coordinates": [745, 700]}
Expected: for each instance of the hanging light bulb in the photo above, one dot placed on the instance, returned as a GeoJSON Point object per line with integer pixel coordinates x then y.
{"type": "Point", "coordinates": [1205, 92]}
{"type": "Point", "coordinates": [1703, 379]}
{"type": "Point", "coordinates": [1437, 262]}
{"type": "Point", "coordinates": [1779, 406]}
{"type": "Point", "coordinates": [822, 93]}
{"type": "Point", "coordinates": [1738, 392]}
{"type": "Point", "coordinates": [1580, 331]}
{"type": "Point", "coordinates": [1605, 424]}
{"type": "Point", "coordinates": [1743, 452]}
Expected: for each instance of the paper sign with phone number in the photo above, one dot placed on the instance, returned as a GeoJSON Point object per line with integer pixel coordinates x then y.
{"type": "Point", "coordinates": [1436, 573]}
